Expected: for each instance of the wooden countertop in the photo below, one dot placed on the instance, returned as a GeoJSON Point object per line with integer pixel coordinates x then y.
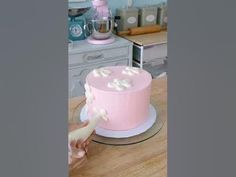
{"type": "Point", "coordinates": [148, 39]}
{"type": "Point", "coordinates": [146, 159]}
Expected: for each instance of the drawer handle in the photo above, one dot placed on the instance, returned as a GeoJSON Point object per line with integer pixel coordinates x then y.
{"type": "Point", "coordinates": [76, 75]}
{"type": "Point", "coordinates": [95, 57]}
{"type": "Point", "coordinates": [81, 73]}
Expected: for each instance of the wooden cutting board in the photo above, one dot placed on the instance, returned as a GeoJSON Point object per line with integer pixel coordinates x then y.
{"type": "Point", "coordinates": [148, 39]}
{"type": "Point", "coordinates": [146, 159]}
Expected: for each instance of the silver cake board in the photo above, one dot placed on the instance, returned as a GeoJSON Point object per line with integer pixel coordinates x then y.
{"type": "Point", "coordinates": [124, 133]}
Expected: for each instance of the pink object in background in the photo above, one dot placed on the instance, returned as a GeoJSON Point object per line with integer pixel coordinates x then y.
{"type": "Point", "coordinates": [101, 8]}
{"type": "Point", "coordinates": [97, 3]}
{"type": "Point", "coordinates": [126, 109]}
{"type": "Point", "coordinates": [91, 40]}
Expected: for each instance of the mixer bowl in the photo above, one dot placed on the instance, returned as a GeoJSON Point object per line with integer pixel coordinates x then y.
{"type": "Point", "coordinates": [100, 29]}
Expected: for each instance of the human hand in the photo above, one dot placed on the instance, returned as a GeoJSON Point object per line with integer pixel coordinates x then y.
{"type": "Point", "coordinates": [78, 149]}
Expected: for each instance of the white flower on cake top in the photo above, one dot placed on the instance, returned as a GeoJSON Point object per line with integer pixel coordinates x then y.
{"type": "Point", "coordinates": [131, 71]}
{"type": "Point", "coordinates": [101, 72]}
{"type": "Point", "coordinates": [119, 84]}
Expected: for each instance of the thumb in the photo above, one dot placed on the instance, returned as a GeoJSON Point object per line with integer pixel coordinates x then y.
{"type": "Point", "coordinates": [80, 154]}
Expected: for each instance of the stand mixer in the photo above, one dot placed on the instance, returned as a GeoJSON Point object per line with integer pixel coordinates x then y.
{"type": "Point", "coordinates": [100, 23]}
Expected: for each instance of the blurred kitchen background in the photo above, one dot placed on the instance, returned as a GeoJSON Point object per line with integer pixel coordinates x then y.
{"type": "Point", "coordinates": [115, 4]}
{"type": "Point", "coordinates": [115, 32]}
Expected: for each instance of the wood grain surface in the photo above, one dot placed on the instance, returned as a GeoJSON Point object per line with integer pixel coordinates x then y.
{"type": "Point", "coordinates": [148, 39]}
{"type": "Point", "coordinates": [141, 30]}
{"type": "Point", "coordinates": [146, 159]}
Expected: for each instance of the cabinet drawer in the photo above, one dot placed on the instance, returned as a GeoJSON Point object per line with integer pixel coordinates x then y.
{"type": "Point", "coordinates": [98, 56]}
{"type": "Point", "coordinates": [150, 52]}
{"type": "Point", "coordinates": [78, 75]}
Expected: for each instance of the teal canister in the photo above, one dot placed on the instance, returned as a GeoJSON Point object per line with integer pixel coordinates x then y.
{"type": "Point", "coordinates": [147, 16]}
{"type": "Point", "coordinates": [76, 29]}
{"type": "Point", "coordinates": [162, 15]}
{"type": "Point", "coordinates": [128, 18]}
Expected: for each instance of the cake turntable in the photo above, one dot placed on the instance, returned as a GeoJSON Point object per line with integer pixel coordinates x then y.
{"type": "Point", "coordinates": [125, 133]}
{"type": "Point", "coordinates": [145, 131]}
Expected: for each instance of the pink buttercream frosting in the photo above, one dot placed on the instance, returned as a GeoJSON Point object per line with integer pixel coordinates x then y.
{"type": "Point", "coordinates": [127, 107]}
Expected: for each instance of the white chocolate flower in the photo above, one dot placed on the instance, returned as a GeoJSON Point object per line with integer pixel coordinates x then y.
{"type": "Point", "coordinates": [88, 94]}
{"type": "Point", "coordinates": [131, 71]}
{"type": "Point", "coordinates": [119, 85]}
{"type": "Point", "coordinates": [101, 112]}
{"type": "Point", "coordinates": [101, 72]}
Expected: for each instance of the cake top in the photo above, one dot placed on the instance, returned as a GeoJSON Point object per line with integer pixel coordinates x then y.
{"type": "Point", "coordinates": [119, 79]}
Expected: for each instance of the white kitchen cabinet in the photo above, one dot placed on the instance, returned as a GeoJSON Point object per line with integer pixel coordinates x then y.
{"type": "Point", "coordinates": [85, 57]}
{"type": "Point", "coordinates": [150, 52]}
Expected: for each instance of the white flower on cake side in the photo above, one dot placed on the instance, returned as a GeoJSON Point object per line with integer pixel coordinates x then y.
{"type": "Point", "coordinates": [89, 96]}
{"type": "Point", "coordinates": [131, 71]}
{"type": "Point", "coordinates": [101, 72]}
{"type": "Point", "coordinates": [120, 85]}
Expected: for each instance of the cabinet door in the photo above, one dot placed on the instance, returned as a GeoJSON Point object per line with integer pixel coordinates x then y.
{"type": "Point", "coordinates": [78, 75]}
{"type": "Point", "coordinates": [150, 52]}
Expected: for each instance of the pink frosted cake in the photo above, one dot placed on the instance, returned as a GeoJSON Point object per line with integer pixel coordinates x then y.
{"type": "Point", "coordinates": [123, 92]}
